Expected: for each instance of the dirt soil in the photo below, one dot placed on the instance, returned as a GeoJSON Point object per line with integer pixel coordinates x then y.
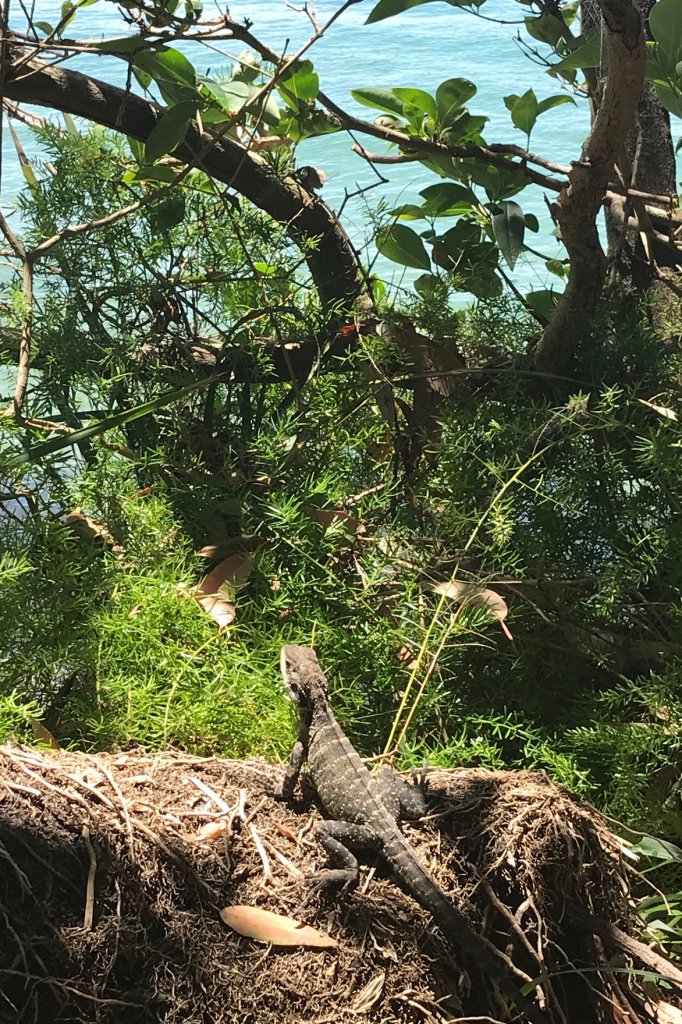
{"type": "Point", "coordinates": [113, 870]}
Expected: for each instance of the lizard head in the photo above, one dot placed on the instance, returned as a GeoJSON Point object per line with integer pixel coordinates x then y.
{"type": "Point", "coordinates": [303, 675]}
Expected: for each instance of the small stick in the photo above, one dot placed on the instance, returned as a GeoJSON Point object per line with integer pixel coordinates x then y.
{"type": "Point", "coordinates": [89, 914]}
{"type": "Point", "coordinates": [211, 794]}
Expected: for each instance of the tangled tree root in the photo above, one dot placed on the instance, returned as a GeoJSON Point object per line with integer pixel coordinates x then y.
{"type": "Point", "coordinates": [114, 870]}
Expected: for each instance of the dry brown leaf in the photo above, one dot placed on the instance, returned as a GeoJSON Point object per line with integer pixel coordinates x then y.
{"type": "Point", "coordinates": [91, 530]}
{"type": "Point", "coordinates": [276, 929]}
{"type": "Point", "coordinates": [337, 517]}
{"type": "Point", "coordinates": [216, 592]}
{"type": "Point", "coordinates": [662, 410]}
{"type": "Point", "coordinates": [476, 596]}
{"type": "Point", "coordinates": [43, 735]}
{"type": "Point", "coordinates": [368, 996]}
{"type": "Point", "coordinates": [212, 830]}
{"type": "Point", "coordinates": [222, 612]}
{"type": "Point", "coordinates": [664, 1013]}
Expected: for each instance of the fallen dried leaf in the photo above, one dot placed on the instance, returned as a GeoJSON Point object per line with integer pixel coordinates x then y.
{"type": "Point", "coordinates": [662, 410]}
{"type": "Point", "coordinates": [476, 596]}
{"type": "Point", "coordinates": [370, 994]}
{"type": "Point", "coordinates": [216, 592]}
{"type": "Point", "coordinates": [91, 530]}
{"type": "Point", "coordinates": [664, 1013]}
{"type": "Point", "coordinates": [212, 830]}
{"type": "Point", "coordinates": [43, 735]}
{"type": "Point", "coordinates": [338, 518]}
{"type": "Point", "coordinates": [276, 929]}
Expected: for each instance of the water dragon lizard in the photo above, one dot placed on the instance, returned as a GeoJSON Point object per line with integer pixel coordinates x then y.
{"type": "Point", "coordinates": [364, 808]}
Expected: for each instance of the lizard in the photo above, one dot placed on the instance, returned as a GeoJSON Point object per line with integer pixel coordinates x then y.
{"type": "Point", "coordinates": [364, 808]}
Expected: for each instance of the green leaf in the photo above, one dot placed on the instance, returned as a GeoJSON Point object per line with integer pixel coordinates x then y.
{"type": "Point", "coordinates": [409, 211]}
{"type": "Point", "coordinates": [509, 228]}
{"type": "Point", "coordinates": [168, 213]}
{"type": "Point", "coordinates": [45, 27]}
{"type": "Point", "coordinates": [589, 53]}
{"type": "Point", "coordinates": [389, 8]}
{"type": "Point", "coordinates": [155, 173]}
{"type": "Point", "coordinates": [137, 149]}
{"type": "Point", "coordinates": [523, 110]}
{"type": "Point", "coordinates": [543, 302]}
{"type": "Point", "coordinates": [379, 99]}
{"type": "Point", "coordinates": [451, 96]}
{"type": "Point", "coordinates": [499, 183]}
{"type": "Point", "coordinates": [426, 285]}
{"type": "Point", "coordinates": [648, 846]}
{"type": "Point", "coordinates": [422, 101]}
{"type": "Point", "coordinates": [230, 98]}
{"type": "Point", "coordinates": [300, 84]}
{"type": "Point", "coordinates": [554, 101]}
{"type": "Point", "coordinates": [171, 71]}
{"type": "Point", "coordinates": [557, 268]}
{"type": "Point", "coordinates": [531, 222]}
{"type": "Point", "coordinates": [546, 29]}
{"type": "Point", "coordinates": [122, 45]}
{"type": "Point", "coordinates": [169, 131]}
{"type": "Point", "coordinates": [403, 245]}
{"type": "Point", "coordinates": [446, 196]}
{"type": "Point", "coordinates": [669, 97]}
{"type": "Point", "coordinates": [464, 127]}
{"type": "Point", "coordinates": [665, 22]}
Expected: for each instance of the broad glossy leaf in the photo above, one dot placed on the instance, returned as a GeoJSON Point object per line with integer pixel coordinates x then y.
{"type": "Point", "coordinates": [403, 245]}
{"type": "Point", "coordinates": [447, 197]}
{"type": "Point", "coordinates": [426, 285]}
{"type": "Point", "coordinates": [523, 110]}
{"type": "Point", "coordinates": [230, 98]}
{"type": "Point", "coordinates": [649, 846]}
{"type": "Point", "coordinates": [546, 29]}
{"type": "Point", "coordinates": [665, 21]}
{"type": "Point", "coordinates": [509, 228]}
{"type": "Point", "coordinates": [122, 45]}
{"type": "Point", "coordinates": [169, 131]}
{"type": "Point", "coordinates": [543, 302]}
{"type": "Point", "coordinates": [301, 83]}
{"type": "Point", "coordinates": [379, 99]}
{"type": "Point", "coordinates": [465, 127]}
{"type": "Point", "coordinates": [531, 222]}
{"type": "Point", "coordinates": [669, 97]}
{"type": "Point", "coordinates": [554, 101]}
{"type": "Point", "coordinates": [423, 102]}
{"type": "Point", "coordinates": [167, 63]}
{"type": "Point", "coordinates": [389, 8]}
{"type": "Point", "coordinates": [451, 96]}
{"type": "Point", "coordinates": [590, 53]}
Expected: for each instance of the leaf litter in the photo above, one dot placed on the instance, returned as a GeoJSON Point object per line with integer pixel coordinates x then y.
{"type": "Point", "coordinates": [117, 869]}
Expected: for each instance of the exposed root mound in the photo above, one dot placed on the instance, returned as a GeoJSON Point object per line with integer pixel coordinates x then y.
{"type": "Point", "coordinates": [110, 899]}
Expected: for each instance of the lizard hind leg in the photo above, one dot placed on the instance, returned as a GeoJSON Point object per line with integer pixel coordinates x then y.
{"type": "Point", "coordinates": [400, 799]}
{"type": "Point", "coordinates": [336, 838]}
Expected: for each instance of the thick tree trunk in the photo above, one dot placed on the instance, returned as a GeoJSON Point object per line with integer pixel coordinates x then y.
{"type": "Point", "coordinates": [578, 205]}
{"type": "Point", "coordinates": [649, 149]}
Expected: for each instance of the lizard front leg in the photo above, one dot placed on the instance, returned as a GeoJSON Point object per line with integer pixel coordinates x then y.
{"type": "Point", "coordinates": [336, 838]}
{"type": "Point", "coordinates": [285, 790]}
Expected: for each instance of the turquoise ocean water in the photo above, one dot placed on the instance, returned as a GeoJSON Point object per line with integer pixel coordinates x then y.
{"type": "Point", "coordinates": [420, 48]}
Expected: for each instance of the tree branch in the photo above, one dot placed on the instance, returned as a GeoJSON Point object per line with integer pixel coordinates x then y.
{"type": "Point", "coordinates": [580, 200]}
{"type": "Point", "coordinates": [332, 262]}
